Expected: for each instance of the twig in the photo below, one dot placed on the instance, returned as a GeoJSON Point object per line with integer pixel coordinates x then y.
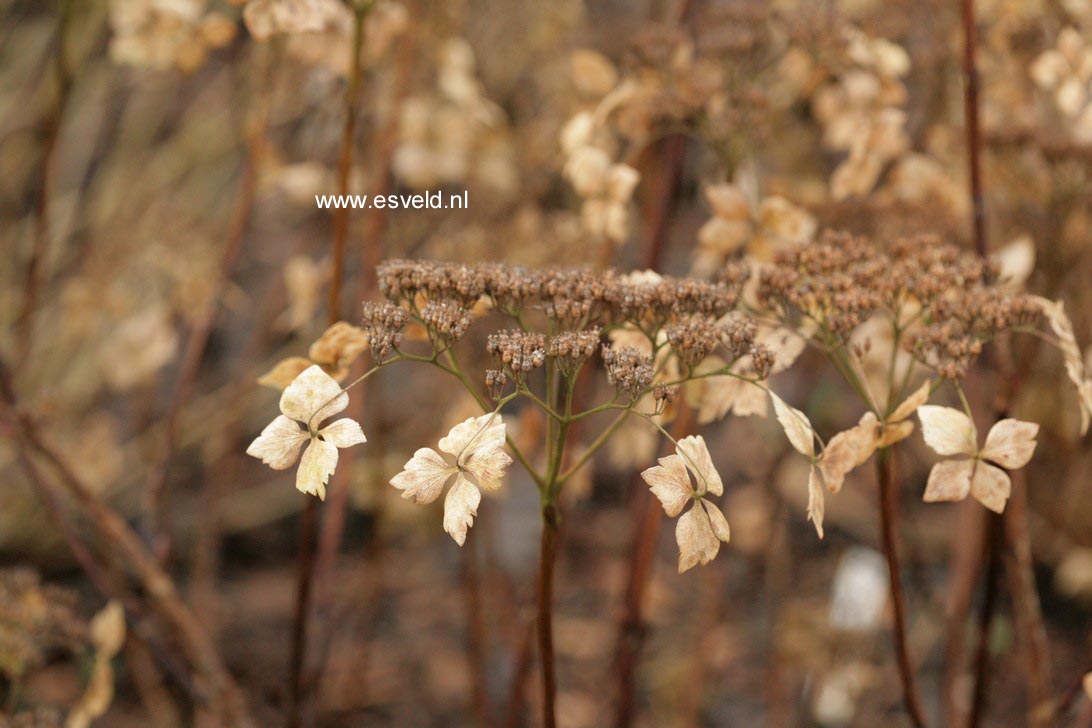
{"type": "Point", "coordinates": [52, 128]}
{"type": "Point", "coordinates": [631, 627]}
{"type": "Point", "coordinates": [992, 538]}
{"type": "Point", "coordinates": [885, 466]}
{"type": "Point", "coordinates": [160, 589]}
{"type": "Point", "coordinates": [298, 692]}
{"type": "Point", "coordinates": [155, 526]}
{"type": "Point", "coordinates": [545, 599]}
{"type": "Point", "coordinates": [476, 640]}
{"type": "Point", "coordinates": [1021, 577]}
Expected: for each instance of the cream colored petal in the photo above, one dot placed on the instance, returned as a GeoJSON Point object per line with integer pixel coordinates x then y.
{"type": "Point", "coordinates": [316, 466]}
{"type": "Point", "coordinates": [724, 236]}
{"type": "Point", "coordinates": [313, 396]}
{"type": "Point", "coordinates": [1010, 443]}
{"type": "Point", "coordinates": [947, 431]}
{"type": "Point", "coordinates": [460, 507]}
{"type": "Point", "coordinates": [345, 432]}
{"type": "Point", "coordinates": [816, 500]}
{"type": "Point", "coordinates": [949, 480]}
{"type": "Point", "coordinates": [797, 426]}
{"type": "Point", "coordinates": [279, 444]}
{"type": "Point", "coordinates": [487, 465]}
{"type": "Point", "coordinates": [695, 456]}
{"type": "Point", "coordinates": [669, 482]}
{"type": "Point", "coordinates": [717, 521]}
{"type": "Point", "coordinates": [697, 542]}
{"type": "Point", "coordinates": [284, 371]}
{"type": "Point", "coordinates": [423, 477]}
{"type": "Point", "coordinates": [991, 486]}
{"type": "Point", "coordinates": [910, 405]}
{"type": "Point", "coordinates": [484, 432]}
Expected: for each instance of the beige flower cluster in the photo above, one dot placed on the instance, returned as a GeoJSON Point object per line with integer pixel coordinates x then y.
{"type": "Point", "coordinates": [760, 227]}
{"type": "Point", "coordinates": [165, 34]}
{"type": "Point", "coordinates": [862, 113]}
{"type": "Point", "coordinates": [1066, 72]}
{"type": "Point", "coordinates": [455, 134]}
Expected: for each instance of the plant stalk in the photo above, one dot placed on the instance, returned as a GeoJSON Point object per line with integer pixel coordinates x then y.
{"type": "Point", "coordinates": [885, 469]}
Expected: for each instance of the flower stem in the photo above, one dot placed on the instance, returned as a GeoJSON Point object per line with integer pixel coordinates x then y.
{"type": "Point", "coordinates": [885, 468]}
{"type": "Point", "coordinates": [545, 597]}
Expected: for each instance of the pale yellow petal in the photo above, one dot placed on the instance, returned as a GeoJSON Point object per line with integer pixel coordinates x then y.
{"type": "Point", "coordinates": [910, 405]}
{"type": "Point", "coordinates": [316, 466]}
{"type": "Point", "coordinates": [696, 457]}
{"type": "Point", "coordinates": [486, 431]}
{"type": "Point", "coordinates": [423, 476]}
{"type": "Point", "coordinates": [313, 396]}
{"type": "Point", "coordinates": [949, 480]}
{"type": "Point", "coordinates": [669, 482]}
{"type": "Point", "coordinates": [797, 426]}
{"type": "Point", "coordinates": [345, 432]}
{"type": "Point", "coordinates": [947, 431]}
{"type": "Point", "coordinates": [697, 542]}
{"type": "Point", "coordinates": [991, 486]}
{"type": "Point", "coordinates": [1010, 443]}
{"type": "Point", "coordinates": [460, 507]}
{"type": "Point", "coordinates": [717, 521]}
{"type": "Point", "coordinates": [279, 444]}
{"type": "Point", "coordinates": [487, 465]}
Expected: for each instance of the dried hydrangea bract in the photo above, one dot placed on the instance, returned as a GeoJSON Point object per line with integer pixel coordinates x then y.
{"type": "Point", "coordinates": [309, 400]}
{"type": "Point", "coordinates": [476, 460]}
{"type": "Point", "coordinates": [1009, 444]}
{"type": "Point", "coordinates": [689, 475]}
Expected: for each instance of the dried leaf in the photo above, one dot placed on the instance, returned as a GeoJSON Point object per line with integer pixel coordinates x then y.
{"type": "Point", "coordinates": [696, 456]}
{"type": "Point", "coordinates": [910, 405]}
{"type": "Point", "coordinates": [339, 346]}
{"type": "Point", "coordinates": [816, 504]}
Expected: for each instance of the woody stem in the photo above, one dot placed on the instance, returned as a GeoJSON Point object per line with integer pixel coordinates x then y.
{"type": "Point", "coordinates": [885, 468]}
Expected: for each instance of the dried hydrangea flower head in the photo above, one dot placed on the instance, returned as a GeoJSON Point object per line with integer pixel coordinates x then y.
{"type": "Point", "coordinates": [476, 460]}
{"type": "Point", "coordinates": [311, 399]}
{"type": "Point", "coordinates": [689, 475]}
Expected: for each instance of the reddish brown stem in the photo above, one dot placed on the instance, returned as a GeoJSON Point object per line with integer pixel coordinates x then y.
{"type": "Point", "coordinates": [974, 141]}
{"type": "Point", "coordinates": [631, 628]}
{"type": "Point", "coordinates": [51, 133]}
{"type": "Point", "coordinates": [161, 591]}
{"type": "Point", "coordinates": [885, 468]}
{"type": "Point", "coordinates": [475, 629]}
{"type": "Point", "coordinates": [547, 557]}
{"type": "Point", "coordinates": [989, 607]}
{"type": "Point", "coordinates": [298, 686]}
